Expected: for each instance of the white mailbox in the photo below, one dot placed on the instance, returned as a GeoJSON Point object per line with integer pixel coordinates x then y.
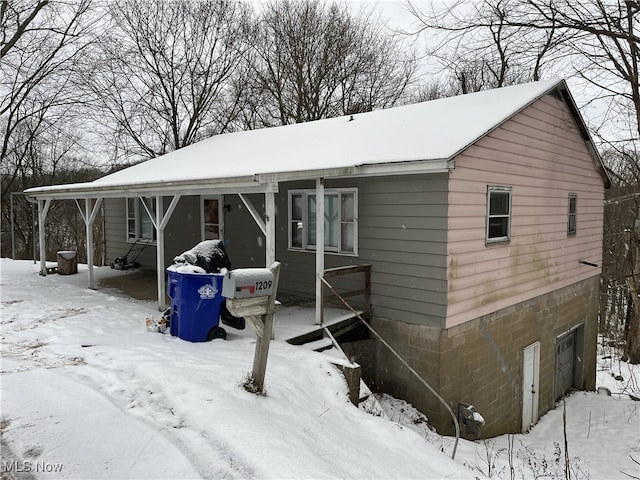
{"type": "Point", "coordinates": [248, 283]}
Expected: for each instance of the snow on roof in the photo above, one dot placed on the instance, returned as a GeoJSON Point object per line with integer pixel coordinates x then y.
{"type": "Point", "coordinates": [427, 132]}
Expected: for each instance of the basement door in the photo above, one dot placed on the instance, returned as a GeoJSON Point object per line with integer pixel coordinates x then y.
{"type": "Point", "coordinates": [530, 386]}
{"type": "Point", "coordinates": [565, 363]}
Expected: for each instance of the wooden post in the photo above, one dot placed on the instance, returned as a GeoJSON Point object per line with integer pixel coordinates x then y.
{"type": "Point", "coordinates": [262, 343]}
{"type": "Point", "coordinates": [352, 374]}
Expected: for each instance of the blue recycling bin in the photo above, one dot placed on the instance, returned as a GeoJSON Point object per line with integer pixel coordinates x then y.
{"type": "Point", "coordinates": [196, 301]}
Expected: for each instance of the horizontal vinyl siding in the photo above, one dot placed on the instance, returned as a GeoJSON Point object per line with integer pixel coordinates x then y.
{"type": "Point", "coordinates": [401, 233]}
{"type": "Point", "coordinates": [115, 228]}
{"type": "Point", "coordinates": [243, 239]}
{"type": "Point", "coordinates": [181, 233]}
{"type": "Point", "coordinates": [541, 156]}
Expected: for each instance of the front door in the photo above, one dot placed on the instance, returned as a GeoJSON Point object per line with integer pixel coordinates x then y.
{"type": "Point", "coordinates": [212, 224]}
{"type": "Point", "coordinates": [530, 386]}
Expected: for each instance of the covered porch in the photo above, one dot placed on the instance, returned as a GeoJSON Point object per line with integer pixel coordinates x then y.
{"type": "Point", "coordinates": [294, 321]}
{"type": "Point", "coordinates": [165, 196]}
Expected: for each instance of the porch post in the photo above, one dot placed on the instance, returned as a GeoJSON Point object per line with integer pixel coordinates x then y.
{"type": "Point", "coordinates": [160, 252]}
{"type": "Point", "coordinates": [89, 217]}
{"type": "Point", "coordinates": [270, 228]}
{"type": "Point", "coordinates": [89, 231]}
{"type": "Point", "coordinates": [319, 247]}
{"type": "Point", "coordinates": [33, 231]}
{"type": "Point", "coordinates": [43, 209]}
{"type": "Point", "coordinates": [161, 220]}
{"type": "Point", "coordinates": [13, 230]}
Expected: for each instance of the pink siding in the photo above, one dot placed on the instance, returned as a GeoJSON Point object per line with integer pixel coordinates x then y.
{"type": "Point", "coordinates": [540, 154]}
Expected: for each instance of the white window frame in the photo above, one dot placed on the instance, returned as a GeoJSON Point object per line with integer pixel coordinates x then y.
{"type": "Point", "coordinates": [136, 235]}
{"type": "Point", "coordinates": [498, 190]}
{"type": "Point", "coordinates": [572, 231]}
{"type": "Point", "coordinates": [220, 199]}
{"type": "Point", "coordinates": [306, 245]}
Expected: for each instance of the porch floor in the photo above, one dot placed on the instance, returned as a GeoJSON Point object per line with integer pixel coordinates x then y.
{"type": "Point", "coordinates": [291, 322]}
{"type": "Point", "coordinates": [294, 318]}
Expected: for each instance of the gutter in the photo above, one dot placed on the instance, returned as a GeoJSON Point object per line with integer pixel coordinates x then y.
{"type": "Point", "coordinates": [246, 184]}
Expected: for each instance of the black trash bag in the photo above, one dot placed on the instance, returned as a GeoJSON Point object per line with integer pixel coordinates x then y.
{"type": "Point", "coordinates": [209, 255]}
{"type": "Point", "coordinates": [229, 320]}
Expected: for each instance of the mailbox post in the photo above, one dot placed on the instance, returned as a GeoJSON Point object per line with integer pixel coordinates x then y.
{"type": "Point", "coordinates": [251, 293]}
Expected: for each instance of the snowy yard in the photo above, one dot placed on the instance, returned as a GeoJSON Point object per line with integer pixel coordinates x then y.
{"type": "Point", "coordinates": [88, 392]}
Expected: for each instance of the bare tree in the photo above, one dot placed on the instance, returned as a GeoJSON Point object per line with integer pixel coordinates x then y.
{"type": "Point", "coordinates": [313, 59]}
{"type": "Point", "coordinates": [593, 40]}
{"type": "Point", "coordinates": [478, 47]}
{"type": "Point", "coordinates": [606, 37]}
{"type": "Point", "coordinates": [36, 70]}
{"type": "Point", "coordinates": [619, 301]}
{"type": "Point", "coordinates": [164, 75]}
{"type": "Point", "coordinates": [14, 22]}
{"type": "Point", "coordinates": [41, 44]}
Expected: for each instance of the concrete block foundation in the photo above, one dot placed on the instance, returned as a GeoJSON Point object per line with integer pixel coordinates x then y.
{"type": "Point", "coordinates": [480, 362]}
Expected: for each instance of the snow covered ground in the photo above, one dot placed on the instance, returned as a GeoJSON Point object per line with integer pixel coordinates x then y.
{"type": "Point", "coordinates": [88, 392]}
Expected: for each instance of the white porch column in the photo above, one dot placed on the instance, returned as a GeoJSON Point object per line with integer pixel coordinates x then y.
{"type": "Point", "coordinates": [43, 209]}
{"type": "Point", "coordinates": [160, 252]}
{"type": "Point", "coordinates": [89, 217]}
{"type": "Point", "coordinates": [270, 228]}
{"type": "Point", "coordinates": [89, 228]}
{"type": "Point", "coordinates": [319, 247]}
{"type": "Point", "coordinates": [160, 222]}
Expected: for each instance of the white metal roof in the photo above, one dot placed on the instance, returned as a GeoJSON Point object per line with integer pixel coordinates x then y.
{"type": "Point", "coordinates": [422, 137]}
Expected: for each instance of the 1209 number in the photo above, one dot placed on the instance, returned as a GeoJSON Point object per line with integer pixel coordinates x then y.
{"type": "Point", "coordinates": [263, 285]}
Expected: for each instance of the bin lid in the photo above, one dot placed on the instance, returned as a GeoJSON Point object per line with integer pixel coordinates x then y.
{"type": "Point", "coordinates": [67, 254]}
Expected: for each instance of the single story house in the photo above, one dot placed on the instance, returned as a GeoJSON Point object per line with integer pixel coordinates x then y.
{"type": "Point", "coordinates": [481, 217]}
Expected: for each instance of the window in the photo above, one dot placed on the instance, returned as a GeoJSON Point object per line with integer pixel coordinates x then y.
{"type": "Point", "coordinates": [139, 224]}
{"type": "Point", "coordinates": [212, 218]}
{"type": "Point", "coordinates": [573, 211]}
{"type": "Point", "coordinates": [498, 214]}
{"type": "Point", "coordinates": [340, 220]}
